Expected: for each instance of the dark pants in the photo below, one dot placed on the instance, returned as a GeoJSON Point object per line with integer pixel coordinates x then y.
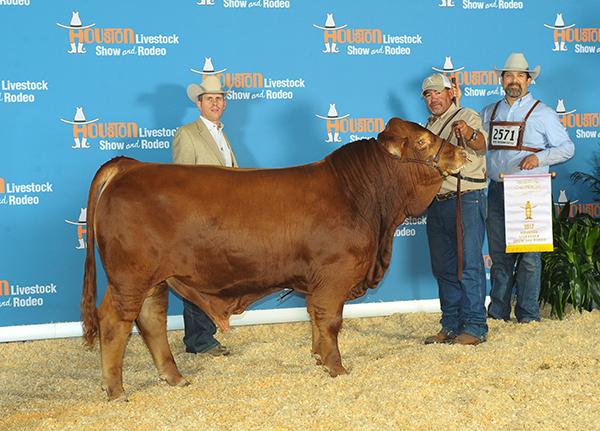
{"type": "Point", "coordinates": [199, 329]}
{"type": "Point", "coordinates": [462, 302]}
{"type": "Point", "coordinates": [509, 270]}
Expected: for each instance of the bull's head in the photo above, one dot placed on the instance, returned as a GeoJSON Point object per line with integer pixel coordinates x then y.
{"type": "Point", "coordinates": [414, 144]}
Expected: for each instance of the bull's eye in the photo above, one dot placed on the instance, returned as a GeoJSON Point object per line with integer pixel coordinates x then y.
{"type": "Point", "coordinates": [421, 143]}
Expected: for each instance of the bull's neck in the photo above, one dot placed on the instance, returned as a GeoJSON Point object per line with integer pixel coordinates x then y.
{"type": "Point", "coordinates": [364, 176]}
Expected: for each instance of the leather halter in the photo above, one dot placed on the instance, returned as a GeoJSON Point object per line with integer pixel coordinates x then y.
{"type": "Point", "coordinates": [432, 162]}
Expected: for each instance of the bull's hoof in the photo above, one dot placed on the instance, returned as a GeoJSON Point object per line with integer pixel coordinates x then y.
{"type": "Point", "coordinates": [178, 381]}
{"type": "Point", "coordinates": [337, 371]}
{"type": "Point", "coordinates": [183, 383]}
{"type": "Point", "coordinates": [121, 398]}
{"type": "Point", "coordinates": [317, 359]}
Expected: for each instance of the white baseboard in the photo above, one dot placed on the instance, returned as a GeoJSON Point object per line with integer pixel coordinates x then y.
{"type": "Point", "coordinates": [250, 317]}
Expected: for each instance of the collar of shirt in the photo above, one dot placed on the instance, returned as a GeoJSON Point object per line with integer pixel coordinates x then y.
{"type": "Point", "coordinates": [212, 126]}
{"type": "Point", "coordinates": [521, 102]}
{"type": "Point", "coordinates": [435, 118]}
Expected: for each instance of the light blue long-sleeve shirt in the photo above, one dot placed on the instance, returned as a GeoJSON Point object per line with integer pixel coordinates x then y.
{"type": "Point", "coordinates": [543, 130]}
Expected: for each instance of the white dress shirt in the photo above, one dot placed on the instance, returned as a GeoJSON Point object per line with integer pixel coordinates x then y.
{"type": "Point", "coordinates": [217, 134]}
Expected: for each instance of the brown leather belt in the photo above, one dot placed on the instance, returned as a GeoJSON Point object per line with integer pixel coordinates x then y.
{"type": "Point", "coordinates": [452, 195]}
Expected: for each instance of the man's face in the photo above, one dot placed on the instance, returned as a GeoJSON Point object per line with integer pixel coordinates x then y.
{"type": "Point", "coordinates": [212, 106]}
{"type": "Point", "coordinates": [438, 101]}
{"type": "Point", "coordinates": [515, 84]}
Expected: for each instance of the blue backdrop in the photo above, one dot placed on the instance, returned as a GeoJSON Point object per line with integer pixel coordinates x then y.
{"type": "Point", "coordinates": [82, 82]}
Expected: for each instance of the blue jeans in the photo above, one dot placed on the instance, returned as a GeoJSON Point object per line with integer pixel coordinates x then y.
{"type": "Point", "coordinates": [509, 269]}
{"type": "Point", "coordinates": [462, 302]}
{"type": "Point", "coordinates": [199, 330]}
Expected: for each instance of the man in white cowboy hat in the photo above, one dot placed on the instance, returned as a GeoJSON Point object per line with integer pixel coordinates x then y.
{"type": "Point", "coordinates": [525, 137]}
{"type": "Point", "coordinates": [203, 142]}
{"type": "Point", "coordinates": [462, 292]}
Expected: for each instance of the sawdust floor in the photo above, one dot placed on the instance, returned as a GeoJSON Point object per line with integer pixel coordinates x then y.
{"type": "Point", "coordinates": [541, 376]}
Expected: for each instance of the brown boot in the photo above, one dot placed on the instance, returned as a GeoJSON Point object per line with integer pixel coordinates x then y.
{"type": "Point", "coordinates": [467, 340]}
{"type": "Point", "coordinates": [441, 337]}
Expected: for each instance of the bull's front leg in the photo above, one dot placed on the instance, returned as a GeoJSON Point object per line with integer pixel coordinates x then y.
{"type": "Point", "coordinates": [327, 310]}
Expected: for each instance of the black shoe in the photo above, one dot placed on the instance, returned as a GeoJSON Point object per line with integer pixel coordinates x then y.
{"type": "Point", "coordinates": [216, 350]}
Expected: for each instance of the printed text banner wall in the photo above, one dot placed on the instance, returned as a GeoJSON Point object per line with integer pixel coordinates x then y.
{"type": "Point", "coordinates": [82, 82]}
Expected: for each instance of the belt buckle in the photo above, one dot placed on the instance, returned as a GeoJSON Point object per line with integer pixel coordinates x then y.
{"type": "Point", "coordinates": [445, 196]}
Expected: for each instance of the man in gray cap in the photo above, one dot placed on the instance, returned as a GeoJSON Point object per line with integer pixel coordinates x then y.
{"type": "Point", "coordinates": [455, 230]}
{"type": "Point", "coordinates": [526, 137]}
{"type": "Point", "coordinates": [203, 142]}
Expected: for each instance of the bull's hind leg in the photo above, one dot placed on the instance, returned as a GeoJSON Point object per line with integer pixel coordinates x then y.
{"type": "Point", "coordinates": [328, 317]}
{"type": "Point", "coordinates": [316, 352]}
{"type": "Point", "coordinates": [152, 323]}
{"type": "Point", "coordinates": [114, 332]}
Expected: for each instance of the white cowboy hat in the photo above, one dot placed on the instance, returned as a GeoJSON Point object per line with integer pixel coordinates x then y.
{"type": "Point", "coordinates": [559, 23]}
{"type": "Point", "coordinates": [208, 68]}
{"type": "Point", "coordinates": [82, 218]}
{"type": "Point", "coordinates": [210, 85]}
{"type": "Point", "coordinates": [448, 66]}
{"type": "Point", "coordinates": [332, 114]}
{"type": "Point", "coordinates": [329, 24]}
{"type": "Point", "coordinates": [516, 62]}
{"type": "Point", "coordinates": [79, 118]}
{"type": "Point", "coordinates": [75, 23]}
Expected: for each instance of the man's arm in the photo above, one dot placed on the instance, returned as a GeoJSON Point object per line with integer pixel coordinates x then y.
{"type": "Point", "coordinates": [183, 148]}
{"type": "Point", "coordinates": [467, 127]}
{"type": "Point", "coordinates": [559, 147]}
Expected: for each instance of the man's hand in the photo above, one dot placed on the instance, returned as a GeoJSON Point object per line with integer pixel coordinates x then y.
{"type": "Point", "coordinates": [529, 162]}
{"type": "Point", "coordinates": [463, 128]}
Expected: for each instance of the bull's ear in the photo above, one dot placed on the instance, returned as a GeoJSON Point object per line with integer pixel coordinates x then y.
{"type": "Point", "coordinates": [392, 143]}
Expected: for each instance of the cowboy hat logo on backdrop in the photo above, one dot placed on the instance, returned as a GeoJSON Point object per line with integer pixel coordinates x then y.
{"type": "Point", "coordinates": [75, 24]}
{"type": "Point", "coordinates": [446, 3]}
{"type": "Point", "coordinates": [364, 41]}
{"type": "Point", "coordinates": [251, 85]}
{"type": "Point", "coordinates": [144, 45]}
{"type": "Point", "coordinates": [578, 121]}
{"type": "Point", "coordinates": [81, 228]}
{"type": "Point", "coordinates": [206, 3]}
{"type": "Point", "coordinates": [79, 135]}
{"type": "Point", "coordinates": [337, 124]}
{"type": "Point", "coordinates": [586, 38]}
{"type": "Point", "coordinates": [591, 208]}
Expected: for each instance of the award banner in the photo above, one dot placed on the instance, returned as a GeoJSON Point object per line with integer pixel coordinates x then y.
{"type": "Point", "coordinates": [528, 213]}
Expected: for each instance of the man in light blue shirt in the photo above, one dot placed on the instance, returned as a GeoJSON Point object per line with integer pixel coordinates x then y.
{"type": "Point", "coordinates": [525, 137]}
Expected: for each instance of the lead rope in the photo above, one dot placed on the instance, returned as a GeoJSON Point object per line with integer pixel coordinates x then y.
{"type": "Point", "coordinates": [459, 226]}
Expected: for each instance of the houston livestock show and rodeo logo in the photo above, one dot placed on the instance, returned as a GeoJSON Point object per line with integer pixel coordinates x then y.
{"type": "Point", "coordinates": [114, 41]}
{"type": "Point", "coordinates": [23, 194]}
{"type": "Point", "coordinates": [483, 5]}
{"type": "Point", "coordinates": [586, 39]}
{"type": "Point", "coordinates": [364, 41]}
{"type": "Point", "coordinates": [472, 83]}
{"type": "Point", "coordinates": [249, 4]}
{"type": "Point", "coordinates": [116, 135]}
{"type": "Point", "coordinates": [25, 296]}
{"type": "Point", "coordinates": [252, 85]}
{"type": "Point", "coordinates": [339, 126]}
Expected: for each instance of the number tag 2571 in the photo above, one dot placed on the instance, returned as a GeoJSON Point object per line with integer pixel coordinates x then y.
{"type": "Point", "coordinates": [505, 135]}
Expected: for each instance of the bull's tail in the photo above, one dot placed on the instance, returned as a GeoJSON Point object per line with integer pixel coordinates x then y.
{"type": "Point", "coordinates": [89, 312]}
